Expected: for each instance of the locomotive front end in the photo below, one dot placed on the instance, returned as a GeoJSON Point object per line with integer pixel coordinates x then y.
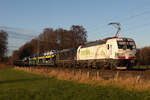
{"type": "Point", "coordinates": [126, 53]}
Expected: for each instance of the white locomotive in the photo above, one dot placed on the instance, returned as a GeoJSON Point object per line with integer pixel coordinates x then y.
{"type": "Point", "coordinates": [113, 53]}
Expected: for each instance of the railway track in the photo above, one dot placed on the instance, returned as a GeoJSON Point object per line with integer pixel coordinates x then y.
{"type": "Point", "coordinates": [105, 74]}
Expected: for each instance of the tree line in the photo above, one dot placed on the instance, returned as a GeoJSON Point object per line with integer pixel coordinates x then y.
{"type": "Point", "coordinates": [58, 39]}
{"type": "Point", "coordinates": [143, 56]}
{"type": "Point", "coordinates": [52, 39]}
{"type": "Point", "coordinates": [3, 45]}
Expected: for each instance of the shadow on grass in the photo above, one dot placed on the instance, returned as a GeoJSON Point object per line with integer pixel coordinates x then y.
{"type": "Point", "coordinates": [22, 80]}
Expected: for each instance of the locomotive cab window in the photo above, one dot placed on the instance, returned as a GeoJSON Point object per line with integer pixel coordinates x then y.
{"type": "Point", "coordinates": [124, 44]}
{"type": "Point", "coordinates": [108, 46]}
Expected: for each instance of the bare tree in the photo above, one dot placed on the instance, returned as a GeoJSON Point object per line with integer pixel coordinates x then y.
{"type": "Point", "coordinates": [51, 39]}
{"type": "Point", "coordinates": [3, 44]}
{"type": "Point", "coordinates": [143, 56]}
{"type": "Point", "coordinates": [79, 34]}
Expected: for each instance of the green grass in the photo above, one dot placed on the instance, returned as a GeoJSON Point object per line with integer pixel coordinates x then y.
{"type": "Point", "coordinates": [20, 85]}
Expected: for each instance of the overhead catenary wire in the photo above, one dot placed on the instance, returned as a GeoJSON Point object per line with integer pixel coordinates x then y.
{"type": "Point", "coordinates": [124, 19]}
{"type": "Point", "coordinates": [50, 42]}
{"type": "Point", "coordinates": [22, 36]}
{"type": "Point", "coordinates": [127, 18]}
{"type": "Point", "coordinates": [18, 30]}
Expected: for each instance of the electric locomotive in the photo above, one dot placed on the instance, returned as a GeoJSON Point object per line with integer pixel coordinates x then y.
{"type": "Point", "coordinates": [110, 53]}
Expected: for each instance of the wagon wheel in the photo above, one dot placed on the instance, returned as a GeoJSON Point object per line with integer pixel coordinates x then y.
{"type": "Point", "coordinates": [105, 66]}
{"type": "Point", "coordinates": [73, 64]}
{"type": "Point", "coordinates": [94, 65]}
{"type": "Point", "coordinates": [76, 65]}
{"type": "Point", "coordinates": [113, 66]}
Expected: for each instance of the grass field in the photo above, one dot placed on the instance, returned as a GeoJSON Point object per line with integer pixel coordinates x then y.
{"type": "Point", "coordinates": [20, 85]}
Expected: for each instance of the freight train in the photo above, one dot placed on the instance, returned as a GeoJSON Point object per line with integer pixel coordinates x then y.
{"type": "Point", "coordinates": [109, 53]}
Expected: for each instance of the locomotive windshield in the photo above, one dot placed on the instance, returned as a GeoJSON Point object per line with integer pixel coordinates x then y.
{"type": "Point", "coordinates": [126, 44]}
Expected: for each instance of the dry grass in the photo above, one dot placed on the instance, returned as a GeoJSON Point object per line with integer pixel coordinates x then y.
{"type": "Point", "coordinates": [130, 83]}
{"type": "Point", "coordinates": [3, 65]}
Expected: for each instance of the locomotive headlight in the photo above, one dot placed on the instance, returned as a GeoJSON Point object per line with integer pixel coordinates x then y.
{"type": "Point", "coordinates": [121, 55]}
{"type": "Point", "coordinates": [131, 55]}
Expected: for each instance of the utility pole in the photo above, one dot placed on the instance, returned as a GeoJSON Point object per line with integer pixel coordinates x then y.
{"type": "Point", "coordinates": [38, 48]}
{"type": "Point", "coordinates": [116, 25]}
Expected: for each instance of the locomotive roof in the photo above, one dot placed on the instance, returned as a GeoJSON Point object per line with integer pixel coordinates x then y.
{"type": "Point", "coordinates": [116, 38]}
{"type": "Point", "coordinates": [110, 38]}
{"type": "Point", "coordinates": [92, 43]}
{"type": "Point", "coordinates": [103, 41]}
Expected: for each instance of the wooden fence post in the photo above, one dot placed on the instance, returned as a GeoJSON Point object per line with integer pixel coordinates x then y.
{"type": "Point", "coordinates": [116, 76]}
{"type": "Point", "coordinates": [88, 74]}
{"type": "Point", "coordinates": [80, 71]}
{"type": "Point", "coordinates": [97, 74]}
{"type": "Point", "coordinates": [137, 79]}
{"type": "Point", "coordinates": [74, 72]}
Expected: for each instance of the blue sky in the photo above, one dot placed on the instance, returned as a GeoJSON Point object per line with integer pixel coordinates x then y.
{"type": "Point", "coordinates": [94, 15]}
